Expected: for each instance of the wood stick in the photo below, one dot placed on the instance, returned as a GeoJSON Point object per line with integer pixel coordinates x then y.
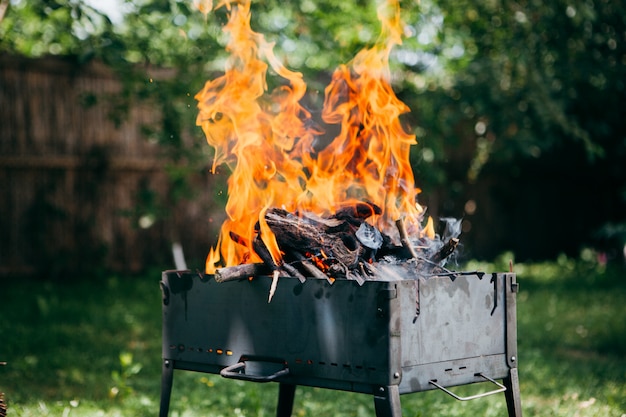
{"type": "Point", "coordinates": [273, 286]}
{"type": "Point", "coordinates": [445, 251]}
{"type": "Point", "coordinates": [315, 271]}
{"type": "Point", "coordinates": [259, 247]}
{"type": "Point", "coordinates": [293, 272]}
{"type": "Point", "coordinates": [238, 239]}
{"type": "Point", "coordinates": [233, 273]}
{"type": "Point", "coordinates": [404, 239]}
{"type": "Point", "coordinates": [356, 277]}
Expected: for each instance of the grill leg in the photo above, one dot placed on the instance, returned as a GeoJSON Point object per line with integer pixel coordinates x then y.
{"type": "Point", "coordinates": [167, 378]}
{"type": "Point", "coordinates": [387, 402]}
{"type": "Point", "coordinates": [513, 401]}
{"type": "Point", "coordinates": [286, 394]}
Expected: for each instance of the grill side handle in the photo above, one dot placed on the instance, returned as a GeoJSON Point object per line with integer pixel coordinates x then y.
{"type": "Point", "coordinates": [501, 388]}
{"type": "Point", "coordinates": [238, 371]}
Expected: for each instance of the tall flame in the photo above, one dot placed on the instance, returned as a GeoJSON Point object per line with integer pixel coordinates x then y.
{"type": "Point", "coordinates": [267, 138]}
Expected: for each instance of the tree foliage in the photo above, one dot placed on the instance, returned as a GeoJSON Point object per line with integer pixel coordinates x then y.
{"type": "Point", "coordinates": [540, 73]}
{"type": "Point", "coordinates": [530, 73]}
{"type": "Point", "coordinates": [542, 87]}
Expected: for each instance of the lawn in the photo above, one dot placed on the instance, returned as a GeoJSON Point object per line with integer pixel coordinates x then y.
{"type": "Point", "coordinates": [92, 347]}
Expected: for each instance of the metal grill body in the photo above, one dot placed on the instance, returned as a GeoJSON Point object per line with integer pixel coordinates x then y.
{"type": "Point", "coordinates": [385, 338]}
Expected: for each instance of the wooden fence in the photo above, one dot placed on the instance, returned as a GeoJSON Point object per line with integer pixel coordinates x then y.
{"type": "Point", "coordinates": [72, 179]}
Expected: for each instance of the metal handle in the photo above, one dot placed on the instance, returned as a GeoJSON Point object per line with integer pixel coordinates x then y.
{"type": "Point", "coordinates": [501, 388]}
{"type": "Point", "coordinates": [234, 372]}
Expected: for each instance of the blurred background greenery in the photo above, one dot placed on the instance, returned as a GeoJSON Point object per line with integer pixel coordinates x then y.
{"type": "Point", "coordinates": [517, 105]}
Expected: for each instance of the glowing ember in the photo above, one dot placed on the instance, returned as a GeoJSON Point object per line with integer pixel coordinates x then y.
{"type": "Point", "coordinates": [267, 138]}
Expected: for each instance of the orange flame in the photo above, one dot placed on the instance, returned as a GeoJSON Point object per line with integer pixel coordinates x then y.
{"type": "Point", "coordinates": [267, 138]}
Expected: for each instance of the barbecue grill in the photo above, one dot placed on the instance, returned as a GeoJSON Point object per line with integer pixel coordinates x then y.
{"type": "Point", "coordinates": [386, 337]}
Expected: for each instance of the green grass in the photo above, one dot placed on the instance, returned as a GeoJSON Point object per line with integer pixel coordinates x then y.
{"type": "Point", "coordinates": [92, 347]}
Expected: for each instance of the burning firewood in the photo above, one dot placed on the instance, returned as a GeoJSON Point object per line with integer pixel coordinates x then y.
{"type": "Point", "coordinates": [264, 254]}
{"type": "Point", "coordinates": [341, 245]}
{"type": "Point", "coordinates": [338, 240]}
{"type": "Point", "coordinates": [243, 271]}
{"type": "Point", "coordinates": [283, 157]}
{"type": "Point", "coordinates": [311, 237]}
{"type": "Point", "coordinates": [357, 213]}
{"type": "Point", "coordinates": [314, 271]}
{"type": "Point", "coordinates": [338, 246]}
{"type": "Point", "coordinates": [259, 247]}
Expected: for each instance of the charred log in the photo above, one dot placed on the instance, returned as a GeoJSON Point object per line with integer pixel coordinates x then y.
{"type": "Point", "coordinates": [307, 236]}
{"type": "Point", "coordinates": [238, 239]}
{"type": "Point", "coordinates": [446, 250]}
{"type": "Point", "coordinates": [357, 213]}
{"type": "Point", "coordinates": [259, 247]}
